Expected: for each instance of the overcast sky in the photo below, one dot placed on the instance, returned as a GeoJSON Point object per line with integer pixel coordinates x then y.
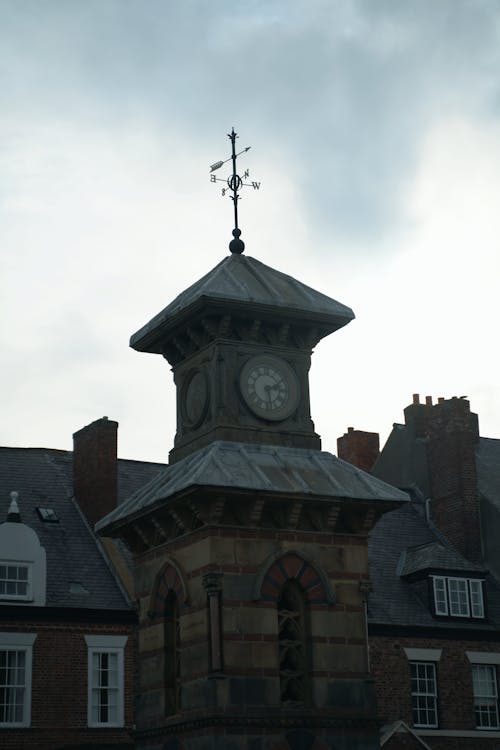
{"type": "Point", "coordinates": [375, 134]}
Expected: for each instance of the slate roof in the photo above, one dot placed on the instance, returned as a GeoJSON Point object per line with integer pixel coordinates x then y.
{"type": "Point", "coordinates": [394, 601]}
{"type": "Point", "coordinates": [43, 478]}
{"type": "Point", "coordinates": [488, 469]}
{"type": "Point", "coordinates": [403, 461]}
{"type": "Point", "coordinates": [244, 280]}
{"type": "Point", "coordinates": [269, 468]}
{"type": "Point", "coordinates": [403, 541]}
{"type": "Point", "coordinates": [437, 557]}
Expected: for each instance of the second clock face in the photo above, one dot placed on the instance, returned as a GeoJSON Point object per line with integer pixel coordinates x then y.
{"type": "Point", "coordinates": [195, 398]}
{"type": "Point", "coordinates": [269, 387]}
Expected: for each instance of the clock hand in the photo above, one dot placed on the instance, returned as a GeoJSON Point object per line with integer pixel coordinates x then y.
{"type": "Point", "coordinates": [267, 389]}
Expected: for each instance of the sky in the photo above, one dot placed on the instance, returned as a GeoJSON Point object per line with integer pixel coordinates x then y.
{"type": "Point", "coordinates": [374, 128]}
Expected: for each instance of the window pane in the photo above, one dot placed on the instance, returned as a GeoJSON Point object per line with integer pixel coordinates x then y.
{"type": "Point", "coordinates": [12, 686]}
{"type": "Point", "coordinates": [440, 601]}
{"type": "Point", "coordinates": [424, 694]}
{"type": "Point", "coordinates": [459, 600]}
{"type": "Point", "coordinates": [106, 693]}
{"type": "Point", "coordinates": [14, 581]}
{"type": "Point", "coordinates": [484, 685]}
{"type": "Point", "coordinates": [476, 598]}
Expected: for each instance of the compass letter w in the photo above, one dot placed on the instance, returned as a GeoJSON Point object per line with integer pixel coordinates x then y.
{"type": "Point", "coordinates": [255, 185]}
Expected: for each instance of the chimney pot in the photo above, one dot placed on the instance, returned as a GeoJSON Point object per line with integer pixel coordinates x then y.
{"type": "Point", "coordinates": [428, 400]}
{"type": "Point", "coordinates": [416, 398]}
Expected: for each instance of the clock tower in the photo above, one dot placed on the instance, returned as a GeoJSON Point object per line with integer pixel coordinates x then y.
{"type": "Point", "coordinates": [240, 341]}
{"type": "Point", "coordinates": [250, 548]}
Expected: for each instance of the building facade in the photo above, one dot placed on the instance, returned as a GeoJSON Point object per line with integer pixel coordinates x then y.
{"type": "Point", "coordinates": [67, 622]}
{"type": "Point", "coordinates": [434, 604]}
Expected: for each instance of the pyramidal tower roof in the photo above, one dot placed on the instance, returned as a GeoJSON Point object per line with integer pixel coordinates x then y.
{"type": "Point", "coordinates": [240, 281]}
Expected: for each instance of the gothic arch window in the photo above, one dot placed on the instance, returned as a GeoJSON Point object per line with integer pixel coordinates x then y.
{"type": "Point", "coordinates": [294, 585]}
{"type": "Point", "coordinates": [171, 640]}
{"type": "Point", "coordinates": [294, 645]}
{"type": "Point", "coordinates": [168, 598]}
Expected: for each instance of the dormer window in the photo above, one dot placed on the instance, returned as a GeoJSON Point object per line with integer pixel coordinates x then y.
{"type": "Point", "coordinates": [15, 580]}
{"type": "Point", "coordinates": [23, 566]}
{"type": "Point", "coordinates": [458, 597]}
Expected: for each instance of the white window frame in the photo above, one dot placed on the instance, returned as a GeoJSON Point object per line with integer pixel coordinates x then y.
{"type": "Point", "coordinates": [20, 642]}
{"type": "Point", "coordinates": [458, 595]}
{"type": "Point", "coordinates": [106, 644]}
{"type": "Point", "coordinates": [440, 595]}
{"type": "Point", "coordinates": [425, 695]}
{"type": "Point", "coordinates": [443, 592]}
{"type": "Point", "coordinates": [28, 597]}
{"type": "Point", "coordinates": [481, 699]}
{"type": "Point", "coordinates": [479, 604]}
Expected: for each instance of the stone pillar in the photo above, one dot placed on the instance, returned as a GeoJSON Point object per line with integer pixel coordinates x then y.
{"type": "Point", "coordinates": [212, 583]}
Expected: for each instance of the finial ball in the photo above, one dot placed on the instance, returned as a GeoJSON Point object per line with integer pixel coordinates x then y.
{"type": "Point", "coordinates": [236, 245]}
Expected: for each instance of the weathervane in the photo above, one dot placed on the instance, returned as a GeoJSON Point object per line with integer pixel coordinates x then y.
{"type": "Point", "coordinates": [234, 182]}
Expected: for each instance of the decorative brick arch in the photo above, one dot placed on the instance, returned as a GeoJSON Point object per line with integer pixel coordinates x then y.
{"type": "Point", "coordinates": [168, 579]}
{"type": "Point", "coordinates": [293, 565]}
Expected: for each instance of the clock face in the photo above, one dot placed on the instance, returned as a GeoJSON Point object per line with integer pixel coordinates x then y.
{"type": "Point", "coordinates": [195, 398]}
{"type": "Point", "coordinates": [269, 387]}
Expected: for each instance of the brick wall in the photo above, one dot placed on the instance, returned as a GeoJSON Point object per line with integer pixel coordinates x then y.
{"type": "Point", "coordinates": [391, 670]}
{"type": "Point", "coordinates": [452, 434]}
{"type": "Point", "coordinates": [59, 689]}
{"type": "Point", "coordinates": [359, 448]}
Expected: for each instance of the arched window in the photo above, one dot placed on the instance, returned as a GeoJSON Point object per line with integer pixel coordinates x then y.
{"type": "Point", "coordinates": [172, 655]}
{"type": "Point", "coordinates": [294, 646]}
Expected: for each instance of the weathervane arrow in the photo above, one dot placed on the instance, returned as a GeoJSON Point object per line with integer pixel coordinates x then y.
{"type": "Point", "coordinates": [234, 183]}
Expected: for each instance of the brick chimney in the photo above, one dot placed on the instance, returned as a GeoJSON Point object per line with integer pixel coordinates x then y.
{"type": "Point", "coordinates": [359, 448]}
{"type": "Point", "coordinates": [95, 463]}
{"type": "Point", "coordinates": [452, 434]}
{"type": "Point", "coordinates": [417, 415]}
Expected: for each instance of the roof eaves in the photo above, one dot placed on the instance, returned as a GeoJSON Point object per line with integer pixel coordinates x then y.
{"type": "Point", "coordinates": [103, 554]}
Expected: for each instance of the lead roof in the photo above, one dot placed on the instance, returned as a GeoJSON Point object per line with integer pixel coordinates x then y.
{"type": "Point", "coordinates": [269, 468]}
{"type": "Point", "coordinates": [242, 280]}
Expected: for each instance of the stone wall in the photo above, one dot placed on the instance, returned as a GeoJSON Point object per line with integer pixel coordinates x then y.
{"type": "Point", "coordinates": [245, 569]}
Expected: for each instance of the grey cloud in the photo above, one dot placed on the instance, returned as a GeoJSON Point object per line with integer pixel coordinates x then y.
{"type": "Point", "coordinates": [343, 89]}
